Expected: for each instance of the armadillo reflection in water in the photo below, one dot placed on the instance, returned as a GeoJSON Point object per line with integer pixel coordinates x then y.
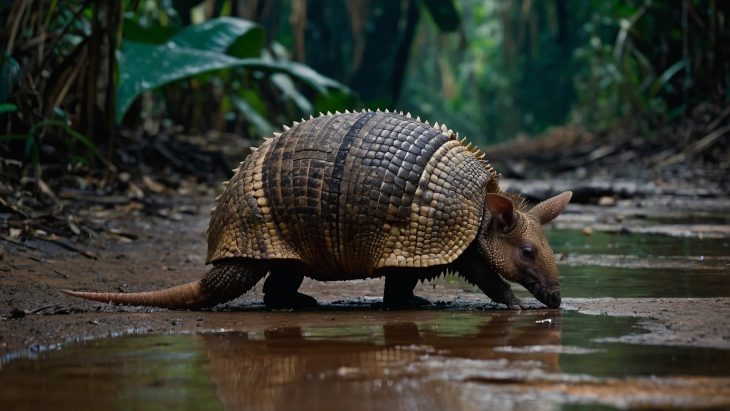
{"type": "Point", "coordinates": [358, 195]}
{"type": "Point", "coordinates": [424, 362]}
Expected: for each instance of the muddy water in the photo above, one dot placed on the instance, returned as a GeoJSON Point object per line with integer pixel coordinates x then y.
{"type": "Point", "coordinates": [437, 360]}
{"type": "Point", "coordinates": [449, 356]}
{"type": "Point", "coordinates": [622, 265]}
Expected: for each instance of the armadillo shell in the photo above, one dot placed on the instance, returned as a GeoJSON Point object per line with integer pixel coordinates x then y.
{"type": "Point", "coordinates": [350, 193]}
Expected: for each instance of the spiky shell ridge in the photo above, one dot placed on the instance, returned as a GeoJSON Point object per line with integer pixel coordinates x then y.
{"type": "Point", "coordinates": [442, 128]}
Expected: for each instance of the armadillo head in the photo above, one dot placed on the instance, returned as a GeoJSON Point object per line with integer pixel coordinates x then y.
{"type": "Point", "coordinates": [514, 244]}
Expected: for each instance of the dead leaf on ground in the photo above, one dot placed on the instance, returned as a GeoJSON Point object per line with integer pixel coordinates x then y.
{"type": "Point", "coordinates": [153, 185]}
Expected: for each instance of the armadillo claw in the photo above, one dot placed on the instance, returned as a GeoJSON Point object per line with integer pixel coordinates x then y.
{"type": "Point", "coordinates": [516, 305]}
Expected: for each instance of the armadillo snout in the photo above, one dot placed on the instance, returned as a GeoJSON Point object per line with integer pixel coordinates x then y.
{"type": "Point", "coordinates": [551, 298]}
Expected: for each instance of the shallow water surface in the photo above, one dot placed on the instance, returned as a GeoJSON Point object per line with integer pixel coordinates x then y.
{"type": "Point", "coordinates": [634, 265]}
{"type": "Point", "coordinates": [640, 245]}
{"type": "Point", "coordinates": [448, 356]}
{"type": "Point", "coordinates": [437, 360]}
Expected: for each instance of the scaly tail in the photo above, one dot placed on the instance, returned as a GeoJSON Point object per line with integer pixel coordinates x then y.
{"type": "Point", "coordinates": [188, 295]}
{"type": "Point", "coordinates": [220, 284]}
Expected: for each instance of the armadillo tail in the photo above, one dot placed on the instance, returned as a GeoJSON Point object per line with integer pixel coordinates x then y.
{"type": "Point", "coordinates": [188, 295]}
{"type": "Point", "coordinates": [222, 283]}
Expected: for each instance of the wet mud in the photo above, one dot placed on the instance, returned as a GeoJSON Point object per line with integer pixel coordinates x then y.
{"type": "Point", "coordinates": [429, 360]}
{"type": "Point", "coordinates": [644, 324]}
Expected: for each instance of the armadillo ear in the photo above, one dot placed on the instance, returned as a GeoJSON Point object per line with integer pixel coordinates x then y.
{"type": "Point", "coordinates": [551, 208]}
{"type": "Point", "coordinates": [501, 209]}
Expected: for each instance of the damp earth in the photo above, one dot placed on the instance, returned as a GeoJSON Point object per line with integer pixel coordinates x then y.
{"type": "Point", "coordinates": [644, 324]}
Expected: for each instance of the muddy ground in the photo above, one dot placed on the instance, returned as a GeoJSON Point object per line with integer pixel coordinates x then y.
{"type": "Point", "coordinates": [142, 252]}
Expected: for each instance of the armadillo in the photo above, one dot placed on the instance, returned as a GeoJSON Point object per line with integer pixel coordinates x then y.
{"type": "Point", "coordinates": [366, 194]}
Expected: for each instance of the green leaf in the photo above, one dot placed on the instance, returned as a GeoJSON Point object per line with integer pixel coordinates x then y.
{"type": "Point", "coordinates": [289, 91]}
{"type": "Point", "coordinates": [304, 74]}
{"type": "Point", "coordinates": [9, 73]}
{"type": "Point", "coordinates": [154, 34]}
{"type": "Point", "coordinates": [200, 49]}
{"type": "Point", "coordinates": [75, 135]}
{"type": "Point", "coordinates": [236, 37]}
{"type": "Point", "coordinates": [8, 108]}
{"type": "Point", "coordinates": [145, 67]}
{"type": "Point", "coordinates": [253, 116]}
{"type": "Point", "coordinates": [666, 76]}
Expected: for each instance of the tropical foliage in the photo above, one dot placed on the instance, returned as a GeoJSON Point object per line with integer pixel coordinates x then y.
{"type": "Point", "coordinates": [72, 70]}
{"type": "Point", "coordinates": [75, 73]}
{"type": "Point", "coordinates": [520, 66]}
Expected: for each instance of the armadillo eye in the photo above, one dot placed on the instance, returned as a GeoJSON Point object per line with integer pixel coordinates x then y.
{"type": "Point", "coordinates": [527, 253]}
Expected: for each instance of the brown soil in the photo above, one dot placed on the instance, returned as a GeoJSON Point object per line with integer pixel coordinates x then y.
{"type": "Point", "coordinates": [139, 252]}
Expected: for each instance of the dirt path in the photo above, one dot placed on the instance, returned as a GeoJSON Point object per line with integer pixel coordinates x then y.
{"type": "Point", "coordinates": [164, 251]}
{"type": "Point", "coordinates": [168, 251]}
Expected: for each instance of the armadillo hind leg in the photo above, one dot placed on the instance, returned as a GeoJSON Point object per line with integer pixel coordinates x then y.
{"type": "Point", "coordinates": [229, 280]}
{"type": "Point", "coordinates": [281, 291]}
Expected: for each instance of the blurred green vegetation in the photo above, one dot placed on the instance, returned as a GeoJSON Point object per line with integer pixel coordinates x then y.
{"type": "Point", "coordinates": [521, 66]}
{"type": "Point", "coordinates": [74, 73]}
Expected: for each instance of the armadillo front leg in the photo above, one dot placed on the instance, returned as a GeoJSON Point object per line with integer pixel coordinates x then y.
{"type": "Point", "coordinates": [497, 289]}
{"type": "Point", "coordinates": [400, 282]}
{"type": "Point", "coordinates": [471, 265]}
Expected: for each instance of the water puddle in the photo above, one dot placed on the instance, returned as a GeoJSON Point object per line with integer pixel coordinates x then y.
{"type": "Point", "coordinates": [429, 360]}
{"type": "Point", "coordinates": [633, 265]}
{"type": "Point", "coordinates": [598, 281]}
{"type": "Point", "coordinates": [641, 245]}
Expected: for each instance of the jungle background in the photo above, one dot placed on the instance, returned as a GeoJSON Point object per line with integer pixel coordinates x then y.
{"type": "Point", "coordinates": [124, 105]}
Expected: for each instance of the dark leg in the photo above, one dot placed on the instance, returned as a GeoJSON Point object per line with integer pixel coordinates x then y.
{"type": "Point", "coordinates": [498, 290]}
{"type": "Point", "coordinates": [280, 291]}
{"type": "Point", "coordinates": [471, 266]}
{"type": "Point", "coordinates": [399, 291]}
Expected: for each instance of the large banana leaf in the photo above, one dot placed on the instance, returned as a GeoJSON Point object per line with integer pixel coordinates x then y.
{"type": "Point", "coordinates": [200, 49]}
{"type": "Point", "coordinates": [232, 36]}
